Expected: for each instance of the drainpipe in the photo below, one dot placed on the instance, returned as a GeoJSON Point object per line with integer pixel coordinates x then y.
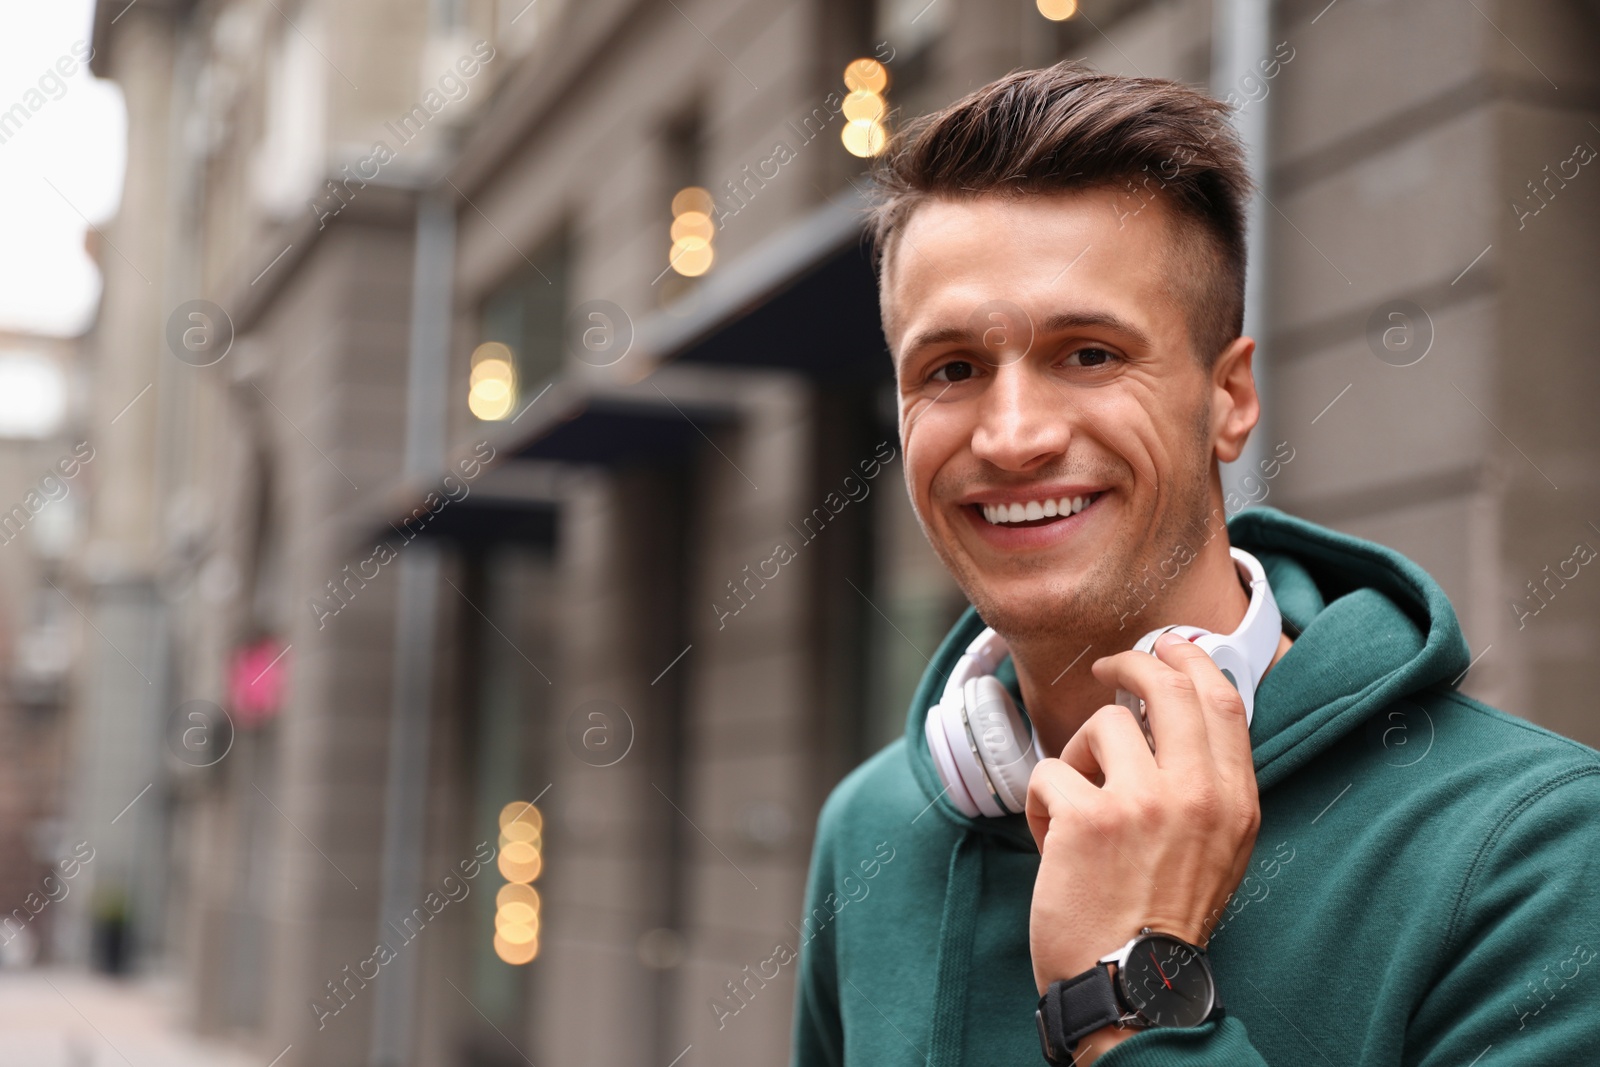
{"type": "Point", "coordinates": [416, 623]}
{"type": "Point", "coordinates": [1241, 37]}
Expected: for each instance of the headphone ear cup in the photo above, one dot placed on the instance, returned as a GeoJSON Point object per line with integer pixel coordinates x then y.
{"type": "Point", "coordinates": [944, 760]}
{"type": "Point", "coordinates": [1003, 741]}
{"type": "Point", "coordinates": [1233, 665]}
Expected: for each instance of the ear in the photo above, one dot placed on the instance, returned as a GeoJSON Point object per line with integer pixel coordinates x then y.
{"type": "Point", "coordinates": [1235, 407]}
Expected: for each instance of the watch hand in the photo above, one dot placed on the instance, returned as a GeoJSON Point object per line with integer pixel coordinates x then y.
{"type": "Point", "coordinates": [1159, 971]}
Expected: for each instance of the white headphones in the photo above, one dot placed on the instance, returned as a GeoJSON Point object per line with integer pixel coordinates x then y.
{"type": "Point", "coordinates": [976, 733]}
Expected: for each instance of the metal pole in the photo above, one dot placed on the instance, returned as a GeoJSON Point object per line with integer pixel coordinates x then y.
{"type": "Point", "coordinates": [405, 797]}
{"type": "Point", "coordinates": [1241, 38]}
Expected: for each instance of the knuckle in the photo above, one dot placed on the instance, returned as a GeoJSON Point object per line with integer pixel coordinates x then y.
{"type": "Point", "coordinates": [1225, 698]}
{"type": "Point", "coordinates": [1251, 820]}
{"type": "Point", "coordinates": [1105, 716]}
{"type": "Point", "coordinates": [1147, 809]}
{"type": "Point", "coordinates": [1179, 685]}
{"type": "Point", "coordinates": [1203, 805]}
{"type": "Point", "coordinates": [1111, 818]}
{"type": "Point", "coordinates": [1042, 775]}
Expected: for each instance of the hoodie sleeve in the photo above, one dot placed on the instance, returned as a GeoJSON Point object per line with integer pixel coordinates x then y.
{"type": "Point", "coordinates": [1522, 981]}
{"type": "Point", "coordinates": [1224, 1043]}
{"type": "Point", "coordinates": [1518, 977]}
{"type": "Point", "coordinates": [818, 1031]}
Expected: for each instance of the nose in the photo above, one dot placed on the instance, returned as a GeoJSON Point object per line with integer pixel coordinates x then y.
{"type": "Point", "coordinates": [1022, 419]}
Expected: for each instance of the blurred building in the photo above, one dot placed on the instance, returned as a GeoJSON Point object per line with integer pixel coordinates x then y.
{"type": "Point", "coordinates": [469, 514]}
{"type": "Point", "coordinates": [43, 460]}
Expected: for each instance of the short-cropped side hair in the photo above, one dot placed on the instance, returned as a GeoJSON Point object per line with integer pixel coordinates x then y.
{"type": "Point", "coordinates": [1068, 128]}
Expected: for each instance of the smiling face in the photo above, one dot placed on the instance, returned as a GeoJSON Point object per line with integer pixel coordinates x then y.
{"type": "Point", "coordinates": [1059, 432]}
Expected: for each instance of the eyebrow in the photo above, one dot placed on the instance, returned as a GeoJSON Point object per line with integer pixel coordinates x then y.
{"type": "Point", "coordinates": [1058, 322]}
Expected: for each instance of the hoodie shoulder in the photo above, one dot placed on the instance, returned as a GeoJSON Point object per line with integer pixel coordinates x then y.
{"type": "Point", "coordinates": [879, 794]}
{"type": "Point", "coordinates": [1509, 736]}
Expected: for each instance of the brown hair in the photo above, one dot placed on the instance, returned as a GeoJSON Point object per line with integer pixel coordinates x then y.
{"type": "Point", "coordinates": [1068, 127]}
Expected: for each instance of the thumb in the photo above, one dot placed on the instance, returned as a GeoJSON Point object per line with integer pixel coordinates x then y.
{"type": "Point", "coordinates": [1055, 790]}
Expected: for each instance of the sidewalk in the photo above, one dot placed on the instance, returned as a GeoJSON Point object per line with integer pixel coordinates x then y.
{"type": "Point", "coordinates": [67, 1018]}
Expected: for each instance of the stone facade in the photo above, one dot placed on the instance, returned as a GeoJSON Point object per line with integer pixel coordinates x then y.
{"type": "Point", "coordinates": [236, 497]}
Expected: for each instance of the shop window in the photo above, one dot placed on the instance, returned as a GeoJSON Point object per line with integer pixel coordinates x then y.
{"type": "Point", "coordinates": [521, 333]}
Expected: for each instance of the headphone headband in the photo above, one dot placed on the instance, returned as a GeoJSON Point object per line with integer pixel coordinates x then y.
{"type": "Point", "coordinates": [988, 774]}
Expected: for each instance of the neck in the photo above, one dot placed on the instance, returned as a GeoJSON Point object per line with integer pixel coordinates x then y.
{"type": "Point", "coordinates": [1057, 687]}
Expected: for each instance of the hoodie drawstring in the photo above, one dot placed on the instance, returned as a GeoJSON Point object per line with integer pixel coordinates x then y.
{"type": "Point", "coordinates": [957, 929]}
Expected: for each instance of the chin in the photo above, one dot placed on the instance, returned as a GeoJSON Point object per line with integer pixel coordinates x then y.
{"type": "Point", "coordinates": [1040, 606]}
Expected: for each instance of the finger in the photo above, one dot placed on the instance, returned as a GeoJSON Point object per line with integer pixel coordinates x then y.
{"type": "Point", "coordinates": [1221, 708]}
{"type": "Point", "coordinates": [1056, 790]}
{"type": "Point", "coordinates": [1171, 705]}
{"type": "Point", "coordinates": [1111, 748]}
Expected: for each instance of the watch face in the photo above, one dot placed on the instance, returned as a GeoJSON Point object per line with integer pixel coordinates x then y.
{"type": "Point", "coordinates": [1167, 982]}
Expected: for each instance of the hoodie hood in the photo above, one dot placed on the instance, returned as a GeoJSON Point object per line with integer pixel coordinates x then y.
{"type": "Point", "coordinates": [1371, 627]}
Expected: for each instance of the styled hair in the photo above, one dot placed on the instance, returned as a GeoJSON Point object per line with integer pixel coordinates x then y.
{"type": "Point", "coordinates": [1070, 128]}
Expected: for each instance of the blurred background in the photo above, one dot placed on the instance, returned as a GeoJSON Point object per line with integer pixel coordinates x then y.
{"type": "Point", "coordinates": [402, 403]}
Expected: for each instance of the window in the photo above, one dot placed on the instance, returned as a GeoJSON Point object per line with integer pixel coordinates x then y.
{"type": "Point", "coordinates": [522, 323]}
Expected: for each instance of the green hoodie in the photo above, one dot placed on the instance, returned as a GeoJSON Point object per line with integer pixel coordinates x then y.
{"type": "Point", "coordinates": [1423, 890]}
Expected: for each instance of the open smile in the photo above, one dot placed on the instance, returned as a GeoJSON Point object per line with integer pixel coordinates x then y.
{"type": "Point", "coordinates": [1022, 524]}
{"type": "Point", "coordinates": [1035, 512]}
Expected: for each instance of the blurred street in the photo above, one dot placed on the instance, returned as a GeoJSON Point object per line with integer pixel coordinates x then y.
{"type": "Point", "coordinates": [53, 1017]}
{"type": "Point", "coordinates": [453, 518]}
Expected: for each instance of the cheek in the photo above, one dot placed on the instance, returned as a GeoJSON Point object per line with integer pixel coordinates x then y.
{"type": "Point", "coordinates": [931, 435]}
{"type": "Point", "coordinates": [1127, 433]}
{"type": "Point", "coordinates": [1154, 436]}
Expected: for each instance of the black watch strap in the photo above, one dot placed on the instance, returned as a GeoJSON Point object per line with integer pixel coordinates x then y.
{"type": "Point", "coordinates": [1074, 1008]}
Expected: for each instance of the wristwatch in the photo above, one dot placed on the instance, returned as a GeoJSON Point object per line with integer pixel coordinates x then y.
{"type": "Point", "coordinates": [1160, 980]}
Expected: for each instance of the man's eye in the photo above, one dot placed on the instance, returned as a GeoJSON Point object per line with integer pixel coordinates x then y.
{"type": "Point", "coordinates": [1091, 357]}
{"type": "Point", "coordinates": [955, 371]}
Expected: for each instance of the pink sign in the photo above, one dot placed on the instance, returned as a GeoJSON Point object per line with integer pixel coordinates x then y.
{"type": "Point", "coordinates": [255, 681]}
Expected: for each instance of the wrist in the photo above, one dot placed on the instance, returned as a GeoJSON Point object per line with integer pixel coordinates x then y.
{"type": "Point", "coordinates": [1097, 1044]}
{"type": "Point", "coordinates": [1155, 980]}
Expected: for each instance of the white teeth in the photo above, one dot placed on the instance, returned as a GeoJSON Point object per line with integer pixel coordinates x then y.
{"type": "Point", "coordinates": [1000, 514]}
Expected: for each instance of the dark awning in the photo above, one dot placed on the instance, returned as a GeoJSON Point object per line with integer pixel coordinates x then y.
{"type": "Point", "coordinates": [804, 301]}
{"type": "Point", "coordinates": [611, 430]}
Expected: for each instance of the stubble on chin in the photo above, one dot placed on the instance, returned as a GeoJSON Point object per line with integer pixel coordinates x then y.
{"type": "Point", "coordinates": [1089, 610]}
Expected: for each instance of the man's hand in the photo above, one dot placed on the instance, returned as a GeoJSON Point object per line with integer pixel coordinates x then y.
{"type": "Point", "coordinates": [1130, 839]}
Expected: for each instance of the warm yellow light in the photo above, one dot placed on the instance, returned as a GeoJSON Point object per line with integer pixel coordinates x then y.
{"type": "Point", "coordinates": [866, 75]}
{"type": "Point", "coordinates": [691, 198]}
{"type": "Point", "coordinates": [492, 350]}
{"type": "Point", "coordinates": [509, 836]}
{"type": "Point", "coordinates": [864, 139]}
{"type": "Point", "coordinates": [517, 893]}
{"type": "Point", "coordinates": [490, 400]}
{"type": "Point", "coordinates": [521, 811]}
{"type": "Point", "coordinates": [516, 954]}
{"type": "Point", "coordinates": [692, 224]}
{"type": "Point", "coordinates": [691, 256]}
{"type": "Point", "coordinates": [516, 933]}
{"type": "Point", "coordinates": [497, 370]}
{"type": "Point", "coordinates": [517, 912]}
{"type": "Point", "coordinates": [1058, 10]}
{"type": "Point", "coordinates": [520, 862]}
{"type": "Point", "coordinates": [862, 106]}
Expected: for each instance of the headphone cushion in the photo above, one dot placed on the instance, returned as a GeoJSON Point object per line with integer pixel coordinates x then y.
{"type": "Point", "coordinates": [1004, 742]}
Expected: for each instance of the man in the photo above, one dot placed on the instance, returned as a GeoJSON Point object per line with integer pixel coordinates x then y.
{"type": "Point", "coordinates": [1378, 869]}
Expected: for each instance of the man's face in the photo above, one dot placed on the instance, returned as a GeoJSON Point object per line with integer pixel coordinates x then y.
{"type": "Point", "coordinates": [1043, 357]}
